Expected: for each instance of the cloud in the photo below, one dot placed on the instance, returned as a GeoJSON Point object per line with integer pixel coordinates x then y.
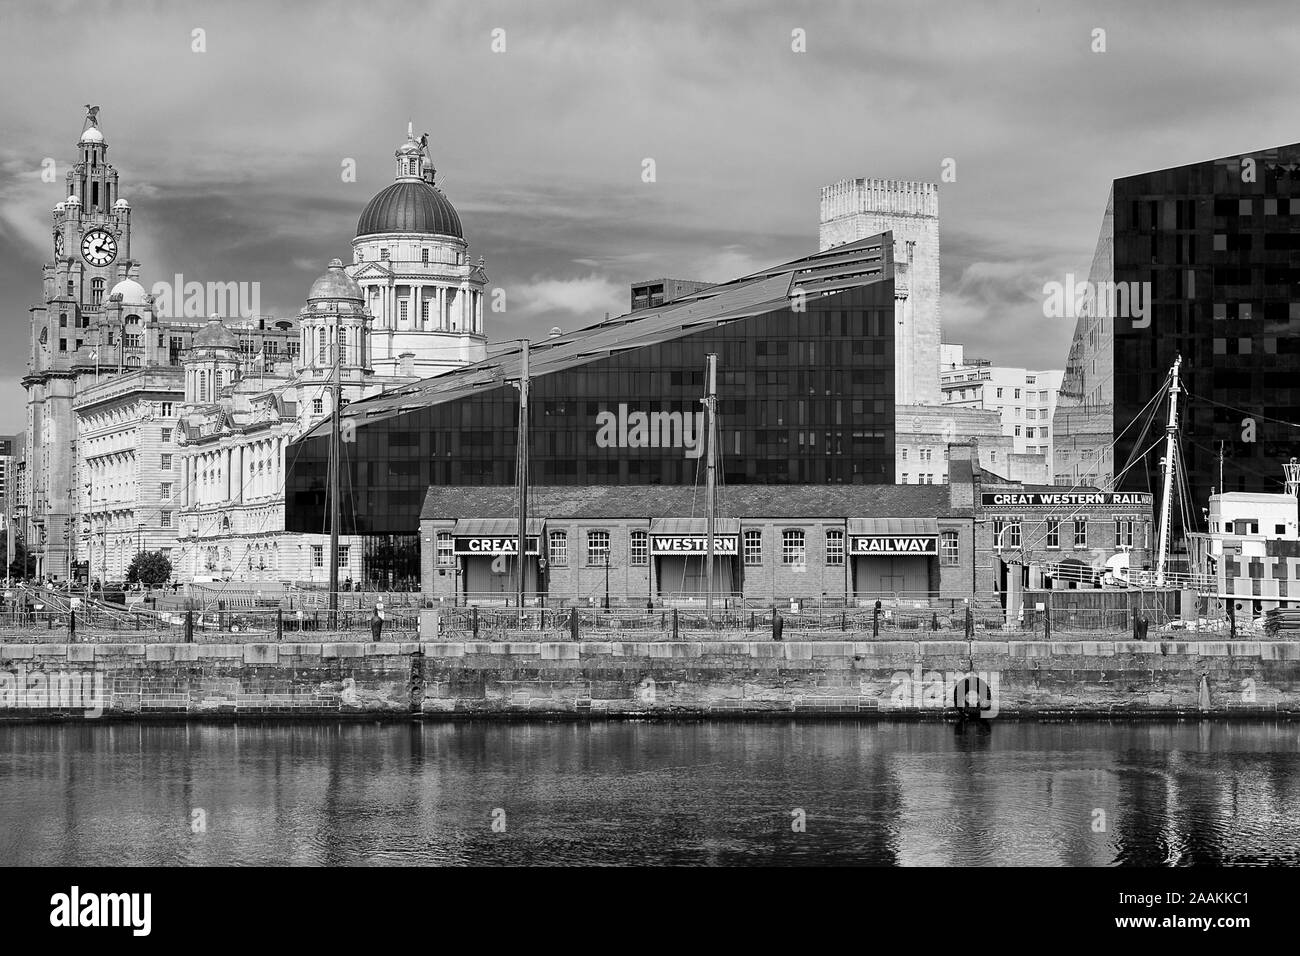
{"type": "Point", "coordinates": [586, 298]}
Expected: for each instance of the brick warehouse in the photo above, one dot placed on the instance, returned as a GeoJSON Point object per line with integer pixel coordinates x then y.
{"type": "Point", "coordinates": [844, 544]}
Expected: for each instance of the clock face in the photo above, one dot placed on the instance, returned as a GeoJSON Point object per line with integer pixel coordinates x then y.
{"type": "Point", "coordinates": [98, 247]}
{"type": "Point", "coordinates": [58, 245]}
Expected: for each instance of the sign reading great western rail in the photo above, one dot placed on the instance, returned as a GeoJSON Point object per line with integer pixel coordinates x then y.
{"type": "Point", "coordinates": [489, 545]}
{"type": "Point", "coordinates": [723, 544]}
{"type": "Point", "coordinates": [920, 545]}
{"type": "Point", "coordinates": [1051, 499]}
{"type": "Point", "coordinates": [661, 429]}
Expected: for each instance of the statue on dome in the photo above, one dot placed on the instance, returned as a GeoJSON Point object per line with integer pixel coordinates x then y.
{"type": "Point", "coordinates": [92, 118]}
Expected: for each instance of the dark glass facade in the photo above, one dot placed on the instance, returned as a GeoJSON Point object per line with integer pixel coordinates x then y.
{"type": "Point", "coordinates": [803, 398]}
{"type": "Point", "coordinates": [1219, 243]}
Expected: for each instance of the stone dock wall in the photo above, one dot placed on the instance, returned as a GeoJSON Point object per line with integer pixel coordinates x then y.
{"type": "Point", "coordinates": [661, 678]}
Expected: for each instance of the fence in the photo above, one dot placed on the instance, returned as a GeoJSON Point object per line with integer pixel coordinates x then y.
{"type": "Point", "coordinates": [89, 622]}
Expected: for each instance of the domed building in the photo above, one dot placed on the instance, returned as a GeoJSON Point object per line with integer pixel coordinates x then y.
{"type": "Point", "coordinates": [412, 263]}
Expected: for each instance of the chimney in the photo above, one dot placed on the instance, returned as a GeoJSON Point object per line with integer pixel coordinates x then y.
{"type": "Point", "coordinates": [406, 363]}
{"type": "Point", "coordinates": [963, 475]}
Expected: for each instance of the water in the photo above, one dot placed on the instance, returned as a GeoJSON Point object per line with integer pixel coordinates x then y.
{"type": "Point", "coordinates": [873, 792]}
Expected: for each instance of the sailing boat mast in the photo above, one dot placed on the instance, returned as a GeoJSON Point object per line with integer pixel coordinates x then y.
{"type": "Point", "coordinates": [1171, 441]}
{"type": "Point", "coordinates": [334, 489]}
{"type": "Point", "coordinates": [521, 477]}
{"type": "Point", "coordinates": [710, 472]}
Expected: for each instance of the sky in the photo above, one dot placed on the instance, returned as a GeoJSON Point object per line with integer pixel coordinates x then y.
{"type": "Point", "coordinates": [233, 156]}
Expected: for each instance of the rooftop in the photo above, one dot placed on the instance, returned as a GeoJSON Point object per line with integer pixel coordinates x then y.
{"type": "Point", "coordinates": [662, 501]}
{"type": "Point", "coordinates": [853, 265]}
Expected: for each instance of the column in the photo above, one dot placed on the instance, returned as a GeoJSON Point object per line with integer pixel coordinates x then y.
{"type": "Point", "coordinates": [239, 473]}
{"type": "Point", "coordinates": [225, 458]}
{"type": "Point", "coordinates": [417, 300]}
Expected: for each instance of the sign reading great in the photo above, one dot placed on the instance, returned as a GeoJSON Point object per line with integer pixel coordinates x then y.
{"type": "Point", "coordinates": [920, 545]}
{"type": "Point", "coordinates": [723, 544]}
{"type": "Point", "coordinates": [1052, 499]}
{"type": "Point", "coordinates": [491, 545]}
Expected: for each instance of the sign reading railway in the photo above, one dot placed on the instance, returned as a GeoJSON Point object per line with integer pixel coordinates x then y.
{"type": "Point", "coordinates": [920, 545]}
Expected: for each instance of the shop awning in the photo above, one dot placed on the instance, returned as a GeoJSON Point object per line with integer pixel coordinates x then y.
{"type": "Point", "coordinates": [694, 526]}
{"type": "Point", "coordinates": [495, 527]}
{"type": "Point", "coordinates": [894, 527]}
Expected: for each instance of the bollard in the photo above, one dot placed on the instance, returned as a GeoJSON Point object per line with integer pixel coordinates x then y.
{"type": "Point", "coordinates": [934, 620]}
{"type": "Point", "coordinates": [844, 621]}
{"type": "Point", "coordinates": [777, 625]}
{"type": "Point", "coordinates": [875, 621]}
{"type": "Point", "coordinates": [72, 625]}
{"type": "Point", "coordinates": [674, 624]}
{"type": "Point", "coordinates": [573, 623]}
{"type": "Point", "coordinates": [189, 627]}
{"type": "Point", "coordinates": [473, 617]}
{"type": "Point", "coordinates": [279, 624]}
{"type": "Point", "coordinates": [970, 624]}
{"type": "Point", "coordinates": [1047, 620]}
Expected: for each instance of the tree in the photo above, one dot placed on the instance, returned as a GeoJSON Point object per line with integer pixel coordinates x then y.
{"type": "Point", "coordinates": [24, 562]}
{"type": "Point", "coordinates": [149, 567]}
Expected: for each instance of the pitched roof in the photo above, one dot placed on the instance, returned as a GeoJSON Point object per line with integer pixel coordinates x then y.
{"type": "Point", "coordinates": [677, 501]}
{"type": "Point", "coordinates": [855, 264]}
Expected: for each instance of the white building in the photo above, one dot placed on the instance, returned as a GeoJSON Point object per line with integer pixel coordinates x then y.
{"type": "Point", "coordinates": [1024, 399]}
{"type": "Point", "coordinates": [412, 262]}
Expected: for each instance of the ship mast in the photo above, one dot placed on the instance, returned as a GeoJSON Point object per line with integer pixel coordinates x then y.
{"type": "Point", "coordinates": [521, 477]}
{"type": "Point", "coordinates": [710, 472]}
{"type": "Point", "coordinates": [1168, 465]}
{"type": "Point", "coordinates": [334, 489]}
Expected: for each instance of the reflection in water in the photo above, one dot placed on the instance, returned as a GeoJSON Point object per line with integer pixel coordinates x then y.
{"type": "Point", "coordinates": [876, 792]}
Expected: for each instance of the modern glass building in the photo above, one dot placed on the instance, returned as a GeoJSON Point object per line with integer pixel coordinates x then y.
{"type": "Point", "coordinates": [1217, 244]}
{"type": "Point", "coordinates": [805, 396]}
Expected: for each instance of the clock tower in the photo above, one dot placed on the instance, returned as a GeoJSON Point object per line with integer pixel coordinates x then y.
{"type": "Point", "coordinates": [90, 245]}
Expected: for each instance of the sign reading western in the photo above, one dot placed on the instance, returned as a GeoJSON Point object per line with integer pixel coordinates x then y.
{"type": "Point", "coordinates": [470, 544]}
{"type": "Point", "coordinates": [636, 429]}
{"type": "Point", "coordinates": [1064, 499]}
{"type": "Point", "coordinates": [723, 544]}
{"type": "Point", "coordinates": [920, 545]}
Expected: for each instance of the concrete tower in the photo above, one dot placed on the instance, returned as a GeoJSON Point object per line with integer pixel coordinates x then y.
{"type": "Point", "coordinates": [853, 209]}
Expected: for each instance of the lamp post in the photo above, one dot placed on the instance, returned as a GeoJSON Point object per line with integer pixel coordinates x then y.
{"type": "Point", "coordinates": [606, 580]}
{"type": "Point", "coordinates": [20, 515]}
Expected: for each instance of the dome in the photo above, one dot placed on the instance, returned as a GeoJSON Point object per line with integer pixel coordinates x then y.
{"type": "Point", "coordinates": [131, 291]}
{"type": "Point", "coordinates": [73, 200]}
{"type": "Point", "coordinates": [58, 207]}
{"type": "Point", "coordinates": [409, 206]}
{"type": "Point", "coordinates": [121, 204]}
{"type": "Point", "coordinates": [214, 335]}
{"type": "Point", "coordinates": [92, 135]}
{"type": "Point", "coordinates": [335, 284]}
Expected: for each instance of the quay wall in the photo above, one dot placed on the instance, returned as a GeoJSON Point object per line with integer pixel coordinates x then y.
{"type": "Point", "coordinates": [660, 678]}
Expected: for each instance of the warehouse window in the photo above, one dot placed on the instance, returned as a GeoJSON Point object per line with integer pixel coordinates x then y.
{"type": "Point", "coordinates": [640, 548]}
{"type": "Point", "coordinates": [1053, 532]}
{"type": "Point", "coordinates": [835, 548]}
{"type": "Point", "coordinates": [597, 548]}
{"type": "Point", "coordinates": [948, 547]}
{"type": "Point", "coordinates": [753, 549]}
{"type": "Point", "coordinates": [1123, 532]}
{"type": "Point", "coordinates": [445, 551]}
{"type": "Point", "coordinates": [317, 556]}
{"type": "Point", "coordinates": [793, 549]}
{"type": "Point", "coordinates": [1080, 532]}
{"type": "Point", "coordinates": [559, 549]}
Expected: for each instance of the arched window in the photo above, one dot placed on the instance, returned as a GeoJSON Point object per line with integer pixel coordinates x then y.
{"type": "Point", "coordinates": [96, 291]}
{"type": "Point", "coordinates": [597, 548]}
{"type": "Point", "coordinates": [320, 346]}
{"type": "Point", "coordinates": [558, 550]}
{"type": "Point", "coordinates": [203, 391]}
{"type": "Point", "coordinates": [794, 551]}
